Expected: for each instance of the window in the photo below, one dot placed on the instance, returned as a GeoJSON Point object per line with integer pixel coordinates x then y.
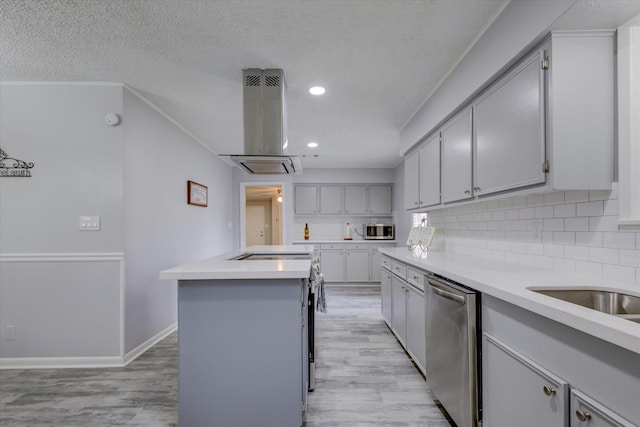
{"type": "Point", "coordinates": [418, 219]}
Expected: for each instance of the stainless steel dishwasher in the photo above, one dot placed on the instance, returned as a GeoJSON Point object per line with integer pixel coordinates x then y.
{"type": "Point", "coordinates": [452, 348]}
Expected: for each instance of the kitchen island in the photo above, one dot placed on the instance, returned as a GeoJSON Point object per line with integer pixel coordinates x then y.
{"type": "Point", "coordinates": [242, 353]}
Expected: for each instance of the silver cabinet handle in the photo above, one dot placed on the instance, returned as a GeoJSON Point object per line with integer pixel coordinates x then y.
{"type": "Point", "coordinates": [476, 188]}
{"type": "Point", "coordinates": [467, 192]}
{"type": "Point", "coordinates": [448, 295]}
{"type": "Point", "coordinates": [415, 278]}
{"type": "Point", "coordinates": [549, 391]}
{"type": "Point", "coordinates": [583, 415]}
{"type": "Point", "coordinates": [416, 203]}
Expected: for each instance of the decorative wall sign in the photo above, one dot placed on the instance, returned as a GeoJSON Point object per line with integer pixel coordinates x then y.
{"type": "Point", "coordinates": [10, 167]}
{"type": "Point", "coordinates": [197, 194]}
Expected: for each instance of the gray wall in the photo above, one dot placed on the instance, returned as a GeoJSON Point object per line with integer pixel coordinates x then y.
{"type": "Point", "coordinates": [67, 292]}
{"type": "Point", "coordinates": [161, 229]}
{"type": "Point", "coordinates": [61, 287]}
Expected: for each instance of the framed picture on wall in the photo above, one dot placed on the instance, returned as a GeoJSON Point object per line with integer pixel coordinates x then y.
{"type": "Point", "coordinates": [197, 194]}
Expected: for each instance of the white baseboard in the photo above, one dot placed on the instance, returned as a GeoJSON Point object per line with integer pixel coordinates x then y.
{"type": "Point", "coordinates": [136, 352]}
{"type": "Point", "coordinates": [85, 362]}
{"type": "Point", "coordinates": [60, 362]}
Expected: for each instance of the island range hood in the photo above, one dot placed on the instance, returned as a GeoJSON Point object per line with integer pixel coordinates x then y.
{"type": "Point", "coordinates": [265, 125]}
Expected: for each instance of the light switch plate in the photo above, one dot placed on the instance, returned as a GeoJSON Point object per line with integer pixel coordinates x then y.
{"type": "Point", "coordinates": [89, 223]}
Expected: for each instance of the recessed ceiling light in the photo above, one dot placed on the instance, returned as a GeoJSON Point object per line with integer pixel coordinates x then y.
{"type": "Point", "coordinates": [312, 144]}
{"type": "Point", "coordinates": [316, 90]}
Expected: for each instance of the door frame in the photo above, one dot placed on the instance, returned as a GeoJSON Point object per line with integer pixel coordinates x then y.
{"type": "Point", "coordinates": [243, 207]}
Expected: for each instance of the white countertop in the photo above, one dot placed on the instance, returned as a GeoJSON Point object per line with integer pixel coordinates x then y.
{"type": "Point", "coordinates": [510, 282]}
{"type": "Point", "coordinates": [370, 242]}
{"type": "Point", "coordinates": [222, 267]}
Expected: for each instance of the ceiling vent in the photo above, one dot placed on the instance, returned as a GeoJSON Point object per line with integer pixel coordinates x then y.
{"type": "Point", "coordinates": [265, 125]}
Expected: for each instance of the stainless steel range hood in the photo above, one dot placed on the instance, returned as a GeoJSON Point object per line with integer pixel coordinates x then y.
{"type": "Point", "coordinates": [265, 125]}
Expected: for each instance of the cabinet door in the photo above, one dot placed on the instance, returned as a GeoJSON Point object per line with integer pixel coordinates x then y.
{"type": "Point", "coordinates": [332, 265]}
{"type": "Point", "coordinates": [379, 199]}
{"type": "Point", "coordinates": [518, 392]}
{"type": "Point", "coordinates": [331, 199]}
{"type": "Point", "coordinates": [510, 132]}
{"type": "Point", "coordinates": [399, 309]}
{"type": "Point", "coordinates": [355, 199]}
{"type": "Point", "coordinates": [430, 172]}
{"type": "Point", "coordinates": [411, 180]}
{"type": "Point", "coordinates": [456, 159]}
{"type": "Point", "coordinates": [416, 326]}
{"type": "Point", "coordinates": [385, 293]}
{"type": "Point", "coordinates": [306, 199]}
{"type": "Point", "coordinates": [586, 412]}
{"type": "Point", "coordinates": [357, 266]}
{"type": "Point", "coordinates": [375, 262]}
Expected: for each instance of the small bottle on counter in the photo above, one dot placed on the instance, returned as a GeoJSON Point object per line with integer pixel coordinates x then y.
{"type": "Point", "coordinates": [306, 232]}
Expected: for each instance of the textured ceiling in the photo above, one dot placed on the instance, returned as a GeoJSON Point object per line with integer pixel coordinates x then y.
{"type": "Point", "coordinates": [378, 59]}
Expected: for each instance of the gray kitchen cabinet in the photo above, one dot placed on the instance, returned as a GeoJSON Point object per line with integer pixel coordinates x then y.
{"type": "Point", "coordinates": [416, 325]}
{"type": "Point", "coordinates": [457, 158]}
{"type": "Point", "coordinates": [331, 199]}
{"type": "Point", "coordinates": [385, 293]}
{"type": "Point", "coordinates": [430, 172]}
{"type": "Point", "coordinates": [509, 130]}
{"type": "Point", "coordinates": [357, 265]}
{"type": "Point", "coordinates": [379, 199]}
{"type": "Point", "coordinates": [524, 350]}
{"type": "Point", "coordinates": [412, 180]}
{"type": "Point", "coordinates": [355, 199]}
{"type": "Point", "coordinates": [306, 199]}
{"type": "Point", "coordinates": [399, 309]}
{"type": "Point", "coordinates": [332, 262]}
{"type": "Point", "coordinates": [586, 412]}
{"type": "Point", "coordinates": [422, 175]}
{"type": "Point", "coordinates": [517, 391]}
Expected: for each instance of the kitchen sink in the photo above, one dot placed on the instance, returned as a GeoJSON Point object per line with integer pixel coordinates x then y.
{"type": "Point", "coordinates": [617, 303]}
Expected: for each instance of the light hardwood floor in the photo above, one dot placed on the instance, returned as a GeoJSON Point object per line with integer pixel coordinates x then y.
{"type": "Point", "coordinates": [364, 378]}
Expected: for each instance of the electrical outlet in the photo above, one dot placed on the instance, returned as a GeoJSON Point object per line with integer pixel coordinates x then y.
{"type": "Point", "coordinates": [89, 223]}
{"type": "Point", "coordinates": [10, 332]}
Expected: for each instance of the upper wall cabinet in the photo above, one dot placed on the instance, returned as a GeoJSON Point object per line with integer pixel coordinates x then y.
{"type": "Point", "coordinates": [306, 199]}
{"type": "Point", "coordinates": [422, 175]}
{"type": "Point", "coordinates": [331, 199]}
{"type": "Point", "coordinates": [545, 124]}
{"type": "Point", "coordinates": [509, 130]}
{"type": "Point", "coordinates": [457, 144]}
{"type": "Point", "coordinates": [355, 199]}
{"type": "Point", "coordinates": [343, 199]}
{"type": "Point", "coordinates": [379, 199]}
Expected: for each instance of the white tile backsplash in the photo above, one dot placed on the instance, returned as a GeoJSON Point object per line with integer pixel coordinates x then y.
{"type": "Point", "coordinates": [579, 233]}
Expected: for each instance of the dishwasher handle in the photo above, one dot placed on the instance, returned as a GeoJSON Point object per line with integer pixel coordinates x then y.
{"type": "Point", "coordinates": [448, 295]}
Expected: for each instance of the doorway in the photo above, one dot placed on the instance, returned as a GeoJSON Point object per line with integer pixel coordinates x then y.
{"type": "Point", "coordinates": [261, 213]}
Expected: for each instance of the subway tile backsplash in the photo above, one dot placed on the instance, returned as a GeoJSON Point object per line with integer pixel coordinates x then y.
{"type": "Point", "coordinates": [568, 231]}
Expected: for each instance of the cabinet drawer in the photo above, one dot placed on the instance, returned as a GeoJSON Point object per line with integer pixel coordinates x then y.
{"type": "Point", "coordinates": [358, 246]}
{"type": "Point", "coordinates": [416, 278]}
{"type": "Point", "coordinates": [386, 263]}
{"type": "Point", "coordinates": [332, 246]}
{"type": "Point", "coordinates": [399, 269]}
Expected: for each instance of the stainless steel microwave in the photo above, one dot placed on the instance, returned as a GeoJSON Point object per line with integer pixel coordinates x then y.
{"type": "Point", "coordinates": [379, 231]}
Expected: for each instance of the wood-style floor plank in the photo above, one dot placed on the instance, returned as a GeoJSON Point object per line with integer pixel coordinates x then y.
{"type": "Point", "coordinates": [364, 378]}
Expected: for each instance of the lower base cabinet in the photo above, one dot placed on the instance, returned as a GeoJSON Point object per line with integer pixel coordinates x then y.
{"type": "Point", "coordinates": [537, 372]}
{"type": "Point", "coordinates": [385, 293]}
{"type": "Point", "coordinates": [403, 311]}
{"type": "Point", "coordinates": [416, 326]}
{"type": "Point", "coordinates": [399, 309]}
{"type": "Point", "coordinates": [519, 392]}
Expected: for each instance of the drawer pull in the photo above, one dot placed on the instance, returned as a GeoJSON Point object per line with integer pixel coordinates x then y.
{"type": "Point", "coordinates": [415, 278]}
{"type": "Point", "coordinates": [549, 391]}
{"type": "Point", "coordinates": [583, 415]}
